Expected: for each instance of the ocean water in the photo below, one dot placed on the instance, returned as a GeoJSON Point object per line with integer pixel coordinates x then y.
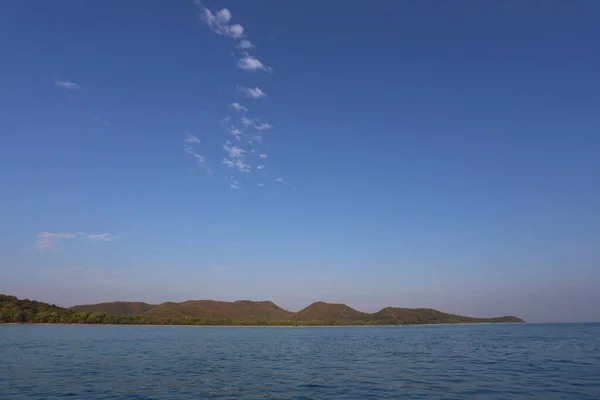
{"type": "Point", "coordinates": [521, 361]}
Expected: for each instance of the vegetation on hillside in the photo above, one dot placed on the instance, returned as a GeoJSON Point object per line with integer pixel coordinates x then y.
{"type": "Point", "coordinates": [116, 308]}
{"type": "Point", "coordinates": [208, 312]}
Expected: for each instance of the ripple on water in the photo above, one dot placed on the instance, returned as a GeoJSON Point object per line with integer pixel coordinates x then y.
{"type": "Point", "coordinates": [524, 361]}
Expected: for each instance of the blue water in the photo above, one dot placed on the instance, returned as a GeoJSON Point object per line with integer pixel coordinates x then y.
{"type": "Point", "coordinates": [524, 361]}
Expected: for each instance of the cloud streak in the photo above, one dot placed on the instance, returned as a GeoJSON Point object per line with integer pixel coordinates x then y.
{"type": "Point", "coordinates": [49, 240]}
{"type": "Point", "coordinates": [261, 126]}
{"type": "Point", "coordinates": [238, 107]}
{"type": "Point", "coordinates": [189, 138]}
{"type": "Point", "coordinates": [253, 93]}
{"type": "Point", "coordinates": [248, 131]}
{"type": "Point", "coordinates": [102, 122]}
{"type": "Point", "coordinates": [103, 237]}
{"type": "Point", "coordinates": [67, 85]}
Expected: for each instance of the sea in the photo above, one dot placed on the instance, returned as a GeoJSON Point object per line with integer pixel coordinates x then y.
{"type": "Point", "coordinates": [495, 361]}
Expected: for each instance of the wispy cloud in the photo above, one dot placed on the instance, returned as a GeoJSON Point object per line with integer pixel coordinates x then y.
{"type": "Point", "coordinates": [234, 151]}
{"type": "Point", "coordinates": [252, 64]}
{"type": "Point", "coordinates": [280, 180]}
{"type": "Point", "coordinates": [249, 131]}
{"type": "Point", "coordinates": [263, 126]}
{"type": "Point", "coordinates": [102, 122]}
{"type": "Point", "coordinates": [254, 93]}
{"type": "Point", "coordinates": [67, 85]}
{"type": "Point", "coordinates": [199, 158]}
{"type": "Point", "coordinates": [260, 184]}
{"type": "Point", "coordinates": [219, 23]}
{"type": "Point", "coordinates": [104, 237]}
{"type": "Point", "coordinates": [189, 138]}
{"type": "Point", "coordinates": [256, 124]}
{"type": "Point", "coordinates": [238, 164]}
{"type": "Point", "coordinates": [245, 45]}
{"type": "Point", "coordinates": [235, 131]}
{"type": "Point", "coordinates": [188, 149]}
{"type": "Point", "coordinates": [238, 107]}
{"type": "Point", "coordinates": [49, 240]}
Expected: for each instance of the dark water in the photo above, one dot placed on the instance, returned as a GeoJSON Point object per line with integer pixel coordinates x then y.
{"type": "Point", "coordinates": [531, 361]}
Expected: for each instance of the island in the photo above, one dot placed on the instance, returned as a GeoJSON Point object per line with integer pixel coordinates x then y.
{"type": "Point", "coordinates": [222, 313]}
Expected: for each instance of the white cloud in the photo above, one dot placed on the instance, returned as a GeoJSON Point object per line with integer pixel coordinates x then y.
{"type": "Point", "coordinates": [235, 132]}
{"type": "Point", "coordinates": [260, 184]}
{"type": "Point", "coordinates": [252, 64]}
{"type": "Point", "coordinates": [236, 31]}
{"type": "Point", "coordinates": [223, 16]}
{"type": "Point", "coordinates": [102, 122]}
{"type": "Point", "coordinates": [262, 155]}
{"type": "Point", "coordinates": [234, 151]}
{"type": "Point", "coordinates": [280, 179]}
{"type": "Point", "coordinates": [67, 85]}
{"type": "Point", "coordinates": [245, 44]}
{"type": "Point", "coordinates": [260, 167]}
{"type": "Point", "coordinates": [199, 158]}
{"type": "Point", "coordinates": [189, 138]}
{"type": "Point", "coordinates": [188, 149]}
{"type": "Point", "coordinates": [255, 124]}
{"type": "Point", "coordinates": [263, 126]}
{"type": "Point", "coordinates": [254, 93]}
{"type": "Point", "coordinates": [48, 240]}
{"type": "Point", "coordinates": [238, 107]}
{"type": "Point", "coordinates": [105, 237]}
{"type": "Point", "coordinates": [239, 165]}
{"type": "Point", "coordinates": [219, 23]}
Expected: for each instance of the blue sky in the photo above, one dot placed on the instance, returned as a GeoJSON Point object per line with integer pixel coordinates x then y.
{"type": "Point", "coordinates": [419, 154]}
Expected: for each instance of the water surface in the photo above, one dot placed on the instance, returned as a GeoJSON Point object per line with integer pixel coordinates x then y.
{"type": "Point", "coordinates": [520, 361]}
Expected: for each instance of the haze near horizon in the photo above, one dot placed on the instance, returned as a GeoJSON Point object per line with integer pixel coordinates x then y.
{"type": "Point", "coordinates": [407, 154]}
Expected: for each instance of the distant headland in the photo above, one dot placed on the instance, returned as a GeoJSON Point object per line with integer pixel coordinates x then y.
{"type": "Point", "coordinates": [211, 312]}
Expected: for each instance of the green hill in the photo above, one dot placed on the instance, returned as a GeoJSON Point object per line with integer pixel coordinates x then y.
{"type": "Point", "coordinates": [116, 308]}
{"type": "Point", "coordinates": [210, 312]}
{"type": "Point", "coordinates": [328, 312]}
{"type": "Point", "coordinates": [411, 316]}
{"type": "Point", "coordinates": [242, 310]}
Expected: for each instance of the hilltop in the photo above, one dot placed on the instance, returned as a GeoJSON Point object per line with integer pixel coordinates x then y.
{"type": "Point", "coordinates": [211, 312]}
{"type": "Point", "coordinates": [324, 312]}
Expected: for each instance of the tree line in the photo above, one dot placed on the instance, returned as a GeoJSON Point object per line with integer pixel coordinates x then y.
{"type": "Point", "coordinates": [14, 310]}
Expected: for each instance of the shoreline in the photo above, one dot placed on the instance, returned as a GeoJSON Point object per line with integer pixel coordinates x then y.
{"type": "Point", "coordinates": [267, 326]}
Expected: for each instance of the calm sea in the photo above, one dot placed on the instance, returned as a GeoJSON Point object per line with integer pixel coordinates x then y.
{"type": "Point", "coordinates": [523, 361]}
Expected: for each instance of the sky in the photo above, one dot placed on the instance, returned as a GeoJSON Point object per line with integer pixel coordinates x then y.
{"type": "Point", "coordinates": [393, 153]}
